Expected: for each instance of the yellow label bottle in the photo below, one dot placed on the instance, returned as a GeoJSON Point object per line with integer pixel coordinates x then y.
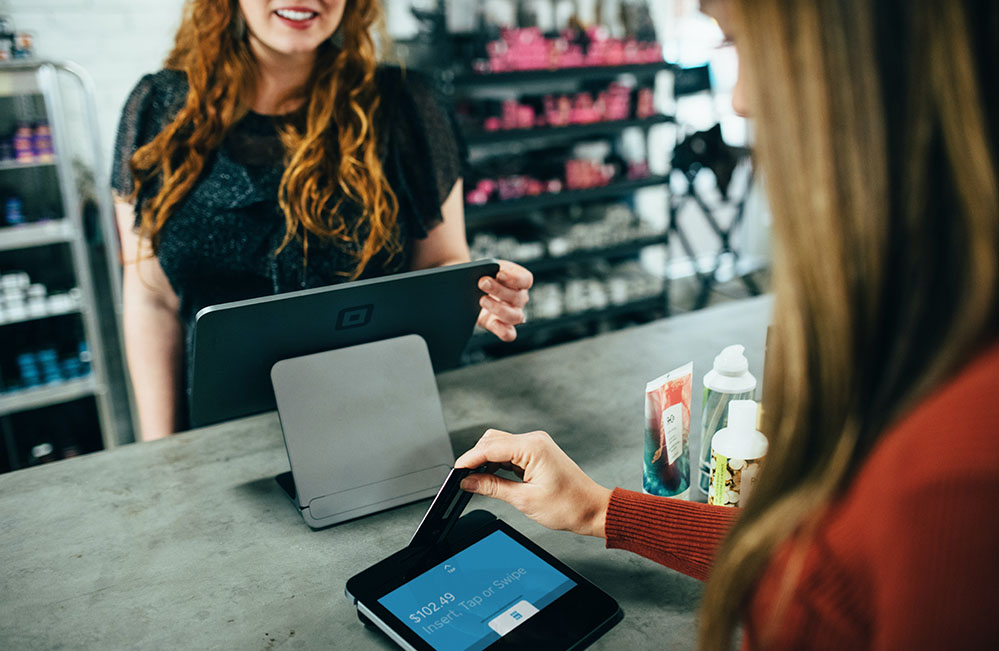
{"type": "Point", "coordinates": [736, 454]}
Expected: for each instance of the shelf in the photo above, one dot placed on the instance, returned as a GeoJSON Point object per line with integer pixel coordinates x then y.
{"type": "Point", "coordinates": [658, 301]}
{"type": "Point", "coordinates": [539, 265]}
{"type": "Point", "coordinates": [48, 314]}
{"type": "Point", "coordinates": [64, 242]}
{"type": "Point", "coordinates": [18, 165]}
{"type": "Point", "coordinates": [38, 234]}
{"type": "Point", "coordinates": [47, 396]}
{"type": "Point", "coordinates": [471, 80]}
{"type": "Point", "coordinates": [481, 138]}
{"type": "Point", "coordinates": [21, 80]}
{"type": "Point", "coordinates": [478, 215]}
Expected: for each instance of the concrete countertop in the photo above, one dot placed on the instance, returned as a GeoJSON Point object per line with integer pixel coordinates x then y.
{"type": "Point", "coordinates": [189, 543]}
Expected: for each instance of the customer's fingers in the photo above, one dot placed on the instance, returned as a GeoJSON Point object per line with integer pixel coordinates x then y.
{"type": "Point", "coordinates": [495, 446]}
{"type": "Point", "coordinates": [554, 492]}
{"type": "Point", "coordinates": [492, 486]}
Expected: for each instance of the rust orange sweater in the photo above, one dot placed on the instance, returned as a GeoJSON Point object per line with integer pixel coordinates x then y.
{"type": "Point", "coordinates": [907, 558]}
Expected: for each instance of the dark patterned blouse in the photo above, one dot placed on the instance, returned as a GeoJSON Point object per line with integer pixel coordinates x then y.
{"type": "Point", "coordinates": [219, 244]}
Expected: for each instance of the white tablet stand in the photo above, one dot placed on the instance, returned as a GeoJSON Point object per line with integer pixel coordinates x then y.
{"type": "Point", "coordinates": [363, 428]}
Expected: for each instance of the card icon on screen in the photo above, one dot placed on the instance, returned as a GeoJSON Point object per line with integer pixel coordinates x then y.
{"type": "Point", "coordinates": [512, 617]}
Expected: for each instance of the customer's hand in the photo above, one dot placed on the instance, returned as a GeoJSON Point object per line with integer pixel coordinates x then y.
{"type": "Point", "coordinates": [506, 296]}
{"type": "Point", "coordinates": [554, 491]}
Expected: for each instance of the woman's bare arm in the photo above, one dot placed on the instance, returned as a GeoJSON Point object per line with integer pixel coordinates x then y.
{"type": "Point", "coordinates": [154, 341]}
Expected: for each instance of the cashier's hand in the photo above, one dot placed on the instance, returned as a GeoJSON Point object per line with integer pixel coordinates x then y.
{"type": "Point", "coordinates": [506, 296]}
{"type": "Point", "coordinates": [554, 491]}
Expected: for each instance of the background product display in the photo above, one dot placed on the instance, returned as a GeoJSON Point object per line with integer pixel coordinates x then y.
{"type": "Point", "coordinates": [570, 117]}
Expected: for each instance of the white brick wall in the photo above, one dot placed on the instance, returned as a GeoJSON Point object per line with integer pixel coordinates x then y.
{"type": "Point", "coordinates": [116, 41]}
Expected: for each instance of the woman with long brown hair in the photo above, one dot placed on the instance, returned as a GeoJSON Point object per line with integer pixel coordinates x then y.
{"type": "Point", "coordinates": [872, 523]}
{"type": "Point", "coordinates": [273, 154]}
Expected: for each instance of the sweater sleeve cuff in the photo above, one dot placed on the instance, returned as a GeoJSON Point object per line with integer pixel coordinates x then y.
{"type": "Point", "coordinates": [676, 533]}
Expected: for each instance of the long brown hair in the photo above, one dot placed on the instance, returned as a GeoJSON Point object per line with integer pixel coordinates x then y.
{"type": "Point", "coordinates": [876, 135]}
{"type": "Point", "coordinates": [339, 141]}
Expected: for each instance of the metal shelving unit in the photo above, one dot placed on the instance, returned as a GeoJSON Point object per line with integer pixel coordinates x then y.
{"type": "Point", "coordinates": [83, 235]}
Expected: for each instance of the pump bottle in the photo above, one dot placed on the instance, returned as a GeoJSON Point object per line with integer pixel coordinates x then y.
{"type": "Point", "coordinates": [736, 454]}
{"type": "Point", "coordinates": [728, 380]}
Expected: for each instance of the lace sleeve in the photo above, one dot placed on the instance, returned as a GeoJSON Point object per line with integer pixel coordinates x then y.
{"type": "Point", "coordinates": [427, 155]}
{"type": "Point", "coordinates": [152, 104]}
{"type": "Point", "coordinates": [132, 133]}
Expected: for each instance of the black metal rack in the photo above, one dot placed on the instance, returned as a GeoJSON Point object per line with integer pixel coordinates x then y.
{"type": "Point", "coordinates": [549, 263]}
{"type": "Point", "coordinates": [513, 209]}
{"type": "Point", "coordinates": [483, 138]}
{"type": "Point", "coordinates": [657, 305]}
{"type": "Point", "coordinates": [510, 212]}
{"type": "Point", "coordinates": [583, 73]}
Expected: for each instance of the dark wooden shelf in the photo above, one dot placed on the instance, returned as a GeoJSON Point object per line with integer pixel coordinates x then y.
{"type": "Point", "coordinates": [471, 80]}
{"type": "Point", "coordinates": [476, 216]}
{"type": "Point", "coordinates": [541, 265]}
{"type": "Point", "coordinates": [483, 138]}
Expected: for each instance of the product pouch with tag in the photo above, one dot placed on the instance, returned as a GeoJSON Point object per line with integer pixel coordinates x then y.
{"type": "Point", "coordinates": [666, 469]}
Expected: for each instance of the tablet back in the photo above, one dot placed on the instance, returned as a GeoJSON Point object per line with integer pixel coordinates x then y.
{"type": "Point", "coordinates": [363, 428]}
{"type": "Point", "coordinates": [236, 344]}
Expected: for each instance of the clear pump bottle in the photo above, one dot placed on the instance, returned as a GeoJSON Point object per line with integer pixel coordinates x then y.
{"type": "Point", "coordinates": [728, 380]}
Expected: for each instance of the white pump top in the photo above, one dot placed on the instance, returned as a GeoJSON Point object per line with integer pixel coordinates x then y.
{"type": "Point", "coordinates": [738, 446]}
{"type": "Point", "coordinates": [740, 440]}
{"type": "Point", "coordinates": [731, 361]}
{"type": "Point", "coordinates": [730, 373]}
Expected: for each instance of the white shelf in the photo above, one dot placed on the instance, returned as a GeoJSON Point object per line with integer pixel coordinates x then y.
{"type": "Point", "coordinates": [38, 234]}
{"type": "Point", "coordinates": [72, 309]}
{"type": "Point", "coordinates": [19, 165]}
{"type": "Point", "coordinates": [17, 79]}
{"type": "Point", "coordinates": [46, 396]}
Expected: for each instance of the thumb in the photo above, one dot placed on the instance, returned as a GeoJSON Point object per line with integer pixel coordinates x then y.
{"type": "Point", "coordinates": [490, 486]}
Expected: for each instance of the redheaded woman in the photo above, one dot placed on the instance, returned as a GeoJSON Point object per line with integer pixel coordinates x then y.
{"type": "Point", "coordinates": [273, 154]}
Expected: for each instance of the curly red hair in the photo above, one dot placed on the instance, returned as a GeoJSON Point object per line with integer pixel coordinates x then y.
{"type": "Point", "coordinates": [338, 141]}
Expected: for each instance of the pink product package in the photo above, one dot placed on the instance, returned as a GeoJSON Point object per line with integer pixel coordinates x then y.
{"type": "Point", "coordinates": [666, 467]}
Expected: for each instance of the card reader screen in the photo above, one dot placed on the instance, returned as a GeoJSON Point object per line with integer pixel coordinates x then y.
{"type": "Point", "coordinates": [478, 595]}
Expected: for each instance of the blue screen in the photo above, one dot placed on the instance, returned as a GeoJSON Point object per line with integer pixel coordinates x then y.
{"type": "Point", "coordinates": [478, 595]}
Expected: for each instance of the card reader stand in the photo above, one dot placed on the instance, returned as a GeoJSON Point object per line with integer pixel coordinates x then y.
{"type": "Point", "coordinates": [363, 428]}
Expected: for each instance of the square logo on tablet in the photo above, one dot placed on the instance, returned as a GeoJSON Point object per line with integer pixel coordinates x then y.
{"type": "Point", "coordinates": [354, 317]}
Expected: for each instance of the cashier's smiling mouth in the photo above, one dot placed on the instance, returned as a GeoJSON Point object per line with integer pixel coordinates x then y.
{"type": "Point", "coordinates": [296, 17]}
